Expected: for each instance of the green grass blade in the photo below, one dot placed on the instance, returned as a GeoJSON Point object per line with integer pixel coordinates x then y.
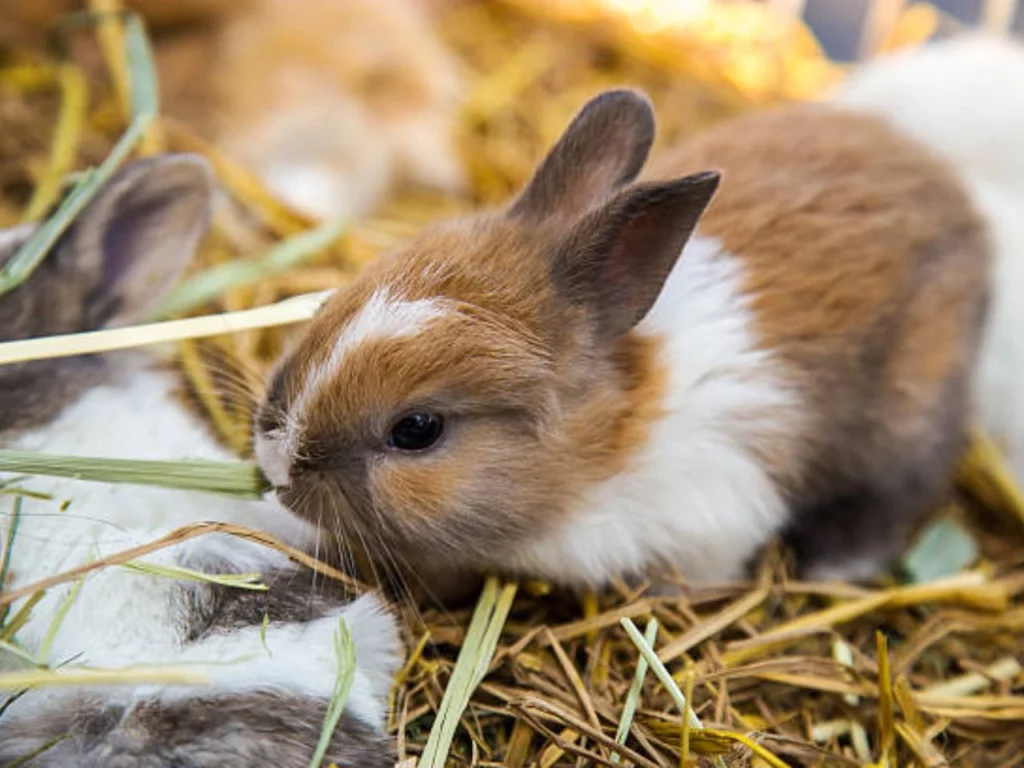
{"type": "Point", "coordinates": [21, 266]}
{"type": "Point", "coordinates": [5, 562]}
{"type": "Point", "coordinates": [19, 653]}
{"type": "Point", "coordinates": [214, 282]}
{"type": "Point", "coordinates": [233, 478]}
{"type": "Point", "coordinates": [660, 671]}
{"type": "Point", "coordinates": [635, 689]}
{"type": "Point", "coordinates": [144, 86]}
{"type": "Point", "coordinates": [10, 700]}
{"type": "Point", "coordinates": [492, 633]}
{"type": "Point", "coordinates": [29, 758]}
{"type": "Point", "coordinates": [12, 627]}
{"type": "Point", "coordinates": [943, 549]}
{"type": "Point", "coordinates": [58, 621]}
{"type": "Point", "coordinates": [144, 104]}
{"type": "Point", "coordinates": [663, 675]}
{"type": "Point", "coordinates": [478, 648]}
{"type": "Point", "coordinates": [250, 581]}
{"type": "Point", "coordinates": [64, 148]}
{"type": "Point", "coordinates": [345, 653]}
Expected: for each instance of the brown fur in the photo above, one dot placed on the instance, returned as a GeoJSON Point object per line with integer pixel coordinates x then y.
{"type": "Point", "coordinates": [867, 267]}
{"type": "Point", "coordinates": [534, 368]}
{"type": "Point", "coordinates": [866, 270]}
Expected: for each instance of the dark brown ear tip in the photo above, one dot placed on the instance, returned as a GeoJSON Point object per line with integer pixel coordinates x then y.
{"type": "Point", "coordinates": [621, 102]}
{"type": "Point", "coordinates": [632, 97]}
{"type": "Point", "coordinates": [706, 178]}
{"type": "Point", "coordinates": [705, 183]}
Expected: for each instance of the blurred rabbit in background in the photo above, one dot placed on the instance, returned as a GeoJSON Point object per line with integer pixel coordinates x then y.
{"type": "Point", "coordinates": [330, 102]}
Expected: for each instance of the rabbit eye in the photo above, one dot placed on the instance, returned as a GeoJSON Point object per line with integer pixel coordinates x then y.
{"type": "Point", "coordinates": [416, 431]}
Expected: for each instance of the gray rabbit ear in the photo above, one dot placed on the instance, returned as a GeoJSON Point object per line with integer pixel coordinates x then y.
{"type": "Point", "coordinates": [140, 233]}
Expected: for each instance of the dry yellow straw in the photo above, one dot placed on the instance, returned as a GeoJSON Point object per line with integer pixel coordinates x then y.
{"type": "Point", "coordinates": [293, 310]}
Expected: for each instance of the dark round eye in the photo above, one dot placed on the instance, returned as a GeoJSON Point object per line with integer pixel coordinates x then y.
{"type": "Point", "coordinates": [416, 431]}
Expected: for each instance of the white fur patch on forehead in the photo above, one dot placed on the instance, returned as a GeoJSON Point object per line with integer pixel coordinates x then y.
{"type": "Point", "coordinates": [382, 317]}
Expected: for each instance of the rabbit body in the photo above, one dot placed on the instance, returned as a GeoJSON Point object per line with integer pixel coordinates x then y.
{"type": "Point", "coordinates": [774, 331]}
{"type": "Point", "coordinates": [962, 97]}
{"type": "Point", "coordinates": [266, 659]}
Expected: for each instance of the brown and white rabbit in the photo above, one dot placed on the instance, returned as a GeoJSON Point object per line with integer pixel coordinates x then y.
{"type": "Point", "coordinates": [774, 333]}
{"type": "Point", "coordinates": [269, 686]}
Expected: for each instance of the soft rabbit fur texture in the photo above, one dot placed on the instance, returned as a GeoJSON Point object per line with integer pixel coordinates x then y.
{"type": "Point", "coordinates": [774, 333]}
{"type": "Point", "coordinates": [267, 698]}
{"type": "Point", "coordinates": [963, 97]}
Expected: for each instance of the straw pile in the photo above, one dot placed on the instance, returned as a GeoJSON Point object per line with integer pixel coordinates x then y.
{"type": "Point", "coordinates": [771, 672]}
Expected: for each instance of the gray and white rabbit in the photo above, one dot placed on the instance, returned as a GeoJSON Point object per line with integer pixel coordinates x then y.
{"type": "Point", "coordinates": [269, 656]}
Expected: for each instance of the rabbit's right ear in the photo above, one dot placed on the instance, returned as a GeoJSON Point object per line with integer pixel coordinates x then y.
{"type": "Point", "coordinates": [140, 233]}
{"type": "Point", "coordinates": [604, 147]}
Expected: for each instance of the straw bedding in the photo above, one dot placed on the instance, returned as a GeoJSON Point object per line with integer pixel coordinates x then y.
{"type": "Point", "coordinates": [777, 672]}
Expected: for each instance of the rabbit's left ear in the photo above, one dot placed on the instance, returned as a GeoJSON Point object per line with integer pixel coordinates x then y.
{"type": "Point", "coordinates": [140, 233]}
{"type": "Point", "coordinates": [604, 147]}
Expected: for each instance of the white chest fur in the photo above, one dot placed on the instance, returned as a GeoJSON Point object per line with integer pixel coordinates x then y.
{"type": "Point", "coordinates": [696, 497]}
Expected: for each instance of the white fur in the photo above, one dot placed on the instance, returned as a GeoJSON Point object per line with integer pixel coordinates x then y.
{"type": "Point", "coordinates": [272, 454]}
{"type": "Point", "coordinates": [300, 658]}
{"type": "Point", "coordinates": [382, 317]}
{"type": "Point", "coordinates": [697, 497]}
{"type": "Point", "coordinates": [120, 618]}
{"type": "Point", "coordinates": [315, 190]}
{"type": "Point", "coordinates": [964, 98]}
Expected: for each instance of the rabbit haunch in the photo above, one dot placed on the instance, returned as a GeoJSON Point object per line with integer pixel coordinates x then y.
{"type": "Point", "coordinates": [120, 257]}
{"type": "Point", "coordinates": [623, 390]}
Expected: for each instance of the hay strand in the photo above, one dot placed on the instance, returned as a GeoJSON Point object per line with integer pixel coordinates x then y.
{"type": "Point", "coordinates": [294, 310]}
{"type": "Point", "coordinates": [230, 478]}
